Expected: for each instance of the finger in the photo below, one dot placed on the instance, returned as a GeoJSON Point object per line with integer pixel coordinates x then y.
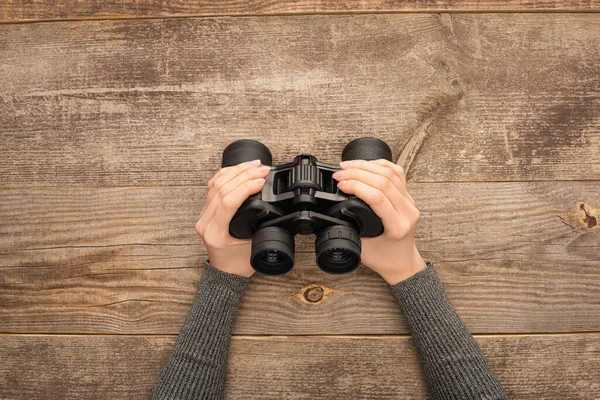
{"type": "Point", "coordinates": [247, 175]}
{"type": "Point", "coordinates": [377, 181]}
{"type": "Point", "coordinates": [374, 167]}
{"type": "Point", "coordinates": [399, 171]}
{"type": "Point", "coordinates": [376, 199]}
{"type": "Point", "coordinates": [215, 195]}
{"type": "Point", "coordinates": [223, 176]}
{"type": "Point", "coordinates": [230, 203]}
{"type": "Point", "coordinates": [382, 167]}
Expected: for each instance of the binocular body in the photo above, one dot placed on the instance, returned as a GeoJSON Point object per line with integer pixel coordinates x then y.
{"type": "Point", "coordinates": [302, 197]}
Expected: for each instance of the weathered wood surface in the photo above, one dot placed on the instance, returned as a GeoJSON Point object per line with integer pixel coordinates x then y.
{"type": "Point", "coordinates": [465, 100]}
{"type": "Point", "coordinates": [108, 367]}
{"type": "Point", "coordinates": [21, 10]}
{"type": "Point", "coordinates": [515, 257]}
{"type": "Point", "coordinates": [485, 97]}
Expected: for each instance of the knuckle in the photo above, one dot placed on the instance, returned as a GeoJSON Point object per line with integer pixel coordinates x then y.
{"type": "Point", "coordinates": [228, 203]}
{"type": "Point", "coordinates": [376, 197]}
{"type": "Point", "coordinates": [403, 228]}
{"type": "Point", "coordinates": [399, 170]}
{"type": "Point", "coordinates": [386, 184]}
{"type": "Point", "coordinates": [359, 163]}
{"type": "Point", "coordinates": [199, 228]}
{"type": "Point", "coordinates": [239, 168]}
{"type": "Point", "coordinates": [389, 173]}
{"type": "Point", "coordinates": [416, 216]}
{"type": "Point", "coordinates": [397, 234]}
{"type": "Point", "coordinates": [245, 166]}
{"type": "Point", "coordinates": [217, 183]}
{"type": "Point", "coordinates": [250, 173]}
{"type": "Point", "coordinates": [221, 192]}
{"type": "Point", "coordinates": [349, 185]}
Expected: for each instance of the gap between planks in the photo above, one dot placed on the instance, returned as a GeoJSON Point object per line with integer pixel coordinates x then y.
{"type": "Point", "coordinates": [325, 336]}
{"type": "Point", "coordinates": [292, 14]}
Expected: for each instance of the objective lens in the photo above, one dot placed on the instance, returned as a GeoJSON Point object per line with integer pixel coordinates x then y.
{"type": "Point", "coordinates": [272, 251]}
{"type": "Point", "coordinates": [272, 256]}
{"type": "Point", "coordinates": [337, 254]}
{"type": "Point", "coordinates": [338, 249]}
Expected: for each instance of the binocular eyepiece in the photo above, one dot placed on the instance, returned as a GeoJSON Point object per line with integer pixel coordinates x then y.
{"type": "Point", "coordinates": [302, 197]}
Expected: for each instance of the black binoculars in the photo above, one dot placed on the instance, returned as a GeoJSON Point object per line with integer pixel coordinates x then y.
{"type": "Point", "coordinates": [302, 197]}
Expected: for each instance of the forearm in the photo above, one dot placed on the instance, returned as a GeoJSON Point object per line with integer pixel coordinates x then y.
{"type": "Point", "coordinates": [452, 362]}
{"type": "Point", "coordinates": [198, 363]}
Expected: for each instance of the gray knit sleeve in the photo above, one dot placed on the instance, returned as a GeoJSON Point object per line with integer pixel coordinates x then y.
{"type": "Point", "coordinates": [198, 362]}
{"type": "Point", "coordinates": [452, 362]}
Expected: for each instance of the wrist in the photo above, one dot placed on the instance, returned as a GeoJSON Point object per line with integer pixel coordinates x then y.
{"type": "Point", "coordinates": [231, 263]}
{"type": "Point", "coordinates": [407, 267]}
{"type": "Point", "coordinates": [211, 270]}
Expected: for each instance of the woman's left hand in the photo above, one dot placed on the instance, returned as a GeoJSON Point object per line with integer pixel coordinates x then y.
{"type": "Point", "coordinates": [382, 185]}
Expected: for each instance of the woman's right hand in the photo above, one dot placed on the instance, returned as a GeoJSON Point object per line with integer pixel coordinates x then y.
{"type": "Point", "coordinates": [227, 190]}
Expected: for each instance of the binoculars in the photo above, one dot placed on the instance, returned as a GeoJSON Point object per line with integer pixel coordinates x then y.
{"type": "Point", "coordinates": [302, 197]}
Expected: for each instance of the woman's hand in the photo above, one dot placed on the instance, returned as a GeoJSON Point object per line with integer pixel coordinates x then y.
{"type": "Point", "coordinates": [382, 185]}
{"type": "Point", "coordinates": [227, 190]}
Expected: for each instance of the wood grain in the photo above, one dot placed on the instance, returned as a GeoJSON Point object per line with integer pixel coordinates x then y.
{"type": "Point", "coordinates": [22, 10]}
{"type": "Point", "coordinates": [108, 367]}
{"type": "Point", "coordinates": [110, 129]}
{"type": "Point", "coordinates": [515, 257]}
{"type": "Point", "coordinates": [490, 97]}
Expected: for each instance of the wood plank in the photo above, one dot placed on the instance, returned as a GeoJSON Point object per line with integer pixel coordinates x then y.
{"type": "Point", "coordinates": [60, 9]}
{"type": "Point", "coordinates": [476, 97]}
{"type": "Point", "coordinates": [108, 367]}
{"type": "Point", "coordinates": [515, 257]}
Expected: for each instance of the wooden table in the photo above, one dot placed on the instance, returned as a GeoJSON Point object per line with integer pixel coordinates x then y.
{"type": "Point", "coordinates": [113, 116]}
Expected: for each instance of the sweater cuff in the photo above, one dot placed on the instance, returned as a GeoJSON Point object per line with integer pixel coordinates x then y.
{"type": "Point", "coordinates": [234, 284]}
{"type": "Point", "coordinates": [423, 281]}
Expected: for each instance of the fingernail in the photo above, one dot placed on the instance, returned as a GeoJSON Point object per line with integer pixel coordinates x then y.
{"type": "Point", "coordinates": [255, 163]}
{"type": "Point", "coordinates": [344, 164]}
{"type": "Point", "coordinates": [342, 183]}
{"type": "Point", "coordinates": [264, 169]}
{"type": "Point", "coordinates": [337, 175]}
{"type": "Point", "coordinates": [259, 181]}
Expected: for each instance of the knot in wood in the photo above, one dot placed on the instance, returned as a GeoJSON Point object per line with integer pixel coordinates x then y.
{"type": "Point", "coordinates": [589, 220]}
{"type": "Point", "coordinates": [314, 294]}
